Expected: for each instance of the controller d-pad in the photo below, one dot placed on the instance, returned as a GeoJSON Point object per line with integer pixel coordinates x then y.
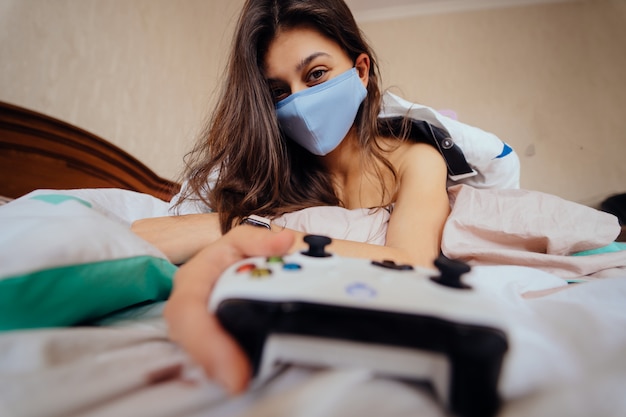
{"type": "Point", "coordinates": [389, 264]}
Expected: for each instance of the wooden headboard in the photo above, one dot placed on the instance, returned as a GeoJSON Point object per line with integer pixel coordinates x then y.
{"type": "Point", "coordinates": [38, 151]}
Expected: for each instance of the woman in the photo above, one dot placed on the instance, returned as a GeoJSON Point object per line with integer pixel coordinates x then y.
{"type": "Point", "coordinates": [295, 127]}
{"type": "Point", "coordinates": [294, 64]}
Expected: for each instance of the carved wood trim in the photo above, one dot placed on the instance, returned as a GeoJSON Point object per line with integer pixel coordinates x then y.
{"type": "Point", "coordinates": [39, 151]}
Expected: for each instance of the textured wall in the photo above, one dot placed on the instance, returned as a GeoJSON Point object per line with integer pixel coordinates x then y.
{"type": "Point", "coordinates": [141, 73]}
{"type": "Point", "coordinates": [550, 80]}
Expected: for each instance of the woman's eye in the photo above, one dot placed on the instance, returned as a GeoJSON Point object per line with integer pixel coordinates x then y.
{"type": "Point", "coordinates": [316, 75]}
{"type": "Point", "coordinates": [279, 93]}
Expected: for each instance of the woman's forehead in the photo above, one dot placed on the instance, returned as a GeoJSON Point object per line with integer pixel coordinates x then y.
{"type": "Point", "coordinates": [292, 48]}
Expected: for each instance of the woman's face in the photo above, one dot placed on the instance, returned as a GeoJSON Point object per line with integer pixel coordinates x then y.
{"type": "Point", "coordinates": [300, 58]}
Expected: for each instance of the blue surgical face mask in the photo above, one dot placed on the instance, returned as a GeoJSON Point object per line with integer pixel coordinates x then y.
{"type": "Point", "coordinates": [319, 117]}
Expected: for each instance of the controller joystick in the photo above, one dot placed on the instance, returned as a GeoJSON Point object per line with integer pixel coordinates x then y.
{"type": "Point", "coordinates": [451, 272]}
{"type": "Point", "coordinates": [316, 246]}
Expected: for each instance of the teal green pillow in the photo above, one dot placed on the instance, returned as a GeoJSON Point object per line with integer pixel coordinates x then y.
{"type": "Point", "coordinates": [63, 263]}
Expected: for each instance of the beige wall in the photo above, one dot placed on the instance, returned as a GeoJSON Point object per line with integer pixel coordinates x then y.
{"type": "Point", "coordinates": [550, 80]}
{"type": "Point", "coordinates": [141, 73]}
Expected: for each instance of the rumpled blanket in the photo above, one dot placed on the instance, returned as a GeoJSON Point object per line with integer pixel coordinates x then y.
{"type": "Point", "coordinates": [529, 228]}
{"type": "Point", "coordinates": [494, 227]}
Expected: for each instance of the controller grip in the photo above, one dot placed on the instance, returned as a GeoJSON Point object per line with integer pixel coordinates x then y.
{"type": "Point", "coordinates": [475, 352]}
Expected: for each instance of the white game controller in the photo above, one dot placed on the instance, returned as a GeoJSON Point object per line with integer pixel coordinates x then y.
{"type": "Point", "coordinates": [315, 308]}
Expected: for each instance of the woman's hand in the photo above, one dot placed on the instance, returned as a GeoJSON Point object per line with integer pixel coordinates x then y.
{"type": "Point", "coordinates": [179, 237]}
{"type": "Point", "coordinates": [189, 322]}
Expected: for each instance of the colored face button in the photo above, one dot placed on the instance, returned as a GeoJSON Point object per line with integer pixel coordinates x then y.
{"type": "Point", "coordinates": [260, 272]}
{"type": "Point", "coordinates": [290, 266]}
{"type": "Point", "coordinates": [247, 267]}
{"type": "Point", "coordinates": [275, 260]}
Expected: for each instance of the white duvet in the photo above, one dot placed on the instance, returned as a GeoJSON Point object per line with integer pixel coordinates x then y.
{"type": "Point", "coordinates": [566, 358]}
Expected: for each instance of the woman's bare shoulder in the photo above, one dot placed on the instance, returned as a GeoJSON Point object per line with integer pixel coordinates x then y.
{"type": "Point", "coordinates": [412, 157]}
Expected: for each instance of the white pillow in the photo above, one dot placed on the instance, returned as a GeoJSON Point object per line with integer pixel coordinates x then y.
{"type": "Point", "coordinates": [67, 260]}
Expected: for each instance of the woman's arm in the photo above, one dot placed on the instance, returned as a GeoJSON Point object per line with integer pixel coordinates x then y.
{"type": "Point", "coordinates": [179, 237]}
{"type": "Point", "coordinates": [422, 206]}
{"type": "Point", "coordinates": [416, 223]}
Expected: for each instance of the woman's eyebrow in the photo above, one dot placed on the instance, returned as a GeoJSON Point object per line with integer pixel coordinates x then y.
{"type": "Point", "coordinates": [306, 61]}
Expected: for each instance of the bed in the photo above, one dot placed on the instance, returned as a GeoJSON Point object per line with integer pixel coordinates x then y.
{"type": "Point", "coordinates": [81, 298]}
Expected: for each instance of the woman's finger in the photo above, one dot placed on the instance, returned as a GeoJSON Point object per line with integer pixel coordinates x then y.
{"type": "Point", "coordinates": [191, 324]}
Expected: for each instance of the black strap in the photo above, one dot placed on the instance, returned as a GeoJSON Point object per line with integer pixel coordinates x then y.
{"type": "Point", "coordinates": [422, 131]}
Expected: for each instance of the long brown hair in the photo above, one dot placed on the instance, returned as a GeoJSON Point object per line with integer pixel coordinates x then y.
{"type": "Point", "coordinates": [257, 170]}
